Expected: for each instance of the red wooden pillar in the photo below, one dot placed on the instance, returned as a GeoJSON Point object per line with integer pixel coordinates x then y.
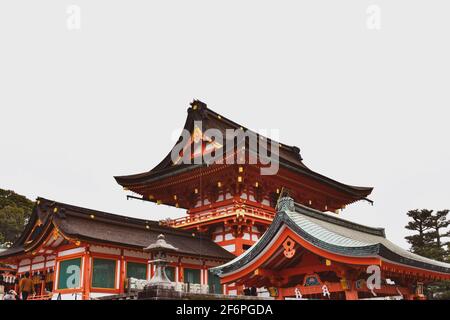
{"type": "Point", "coordinates": [16, 285]}
{"type": "Point", "coordinates": [86, 274]}
{"type": "Point", "coordinates": [205, 273]}
{"type": "Point", "coordinates": [238, 246]}
{"type": "Point", "coordinates": [180, 271]}
{"type": "Point", "coordinates": [122, 274]}
{"type": "Point", "coordinates": [351, 295]}
{"type": "Point", "coordinates": [280, 294]}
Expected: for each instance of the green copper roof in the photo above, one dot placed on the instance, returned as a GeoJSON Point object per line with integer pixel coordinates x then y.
{"type": "Point", "coordinates": [334, 235]}
{"type": "Point", "coordinates": [312, 227]}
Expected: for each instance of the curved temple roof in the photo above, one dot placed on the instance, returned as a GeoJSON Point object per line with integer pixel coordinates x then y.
{"type": "Point", "coordinates": [289, 156]}
{"type": "Point", "coordinates": [336, 236]}
{"type": "Point", "coordinates": [106, 228]}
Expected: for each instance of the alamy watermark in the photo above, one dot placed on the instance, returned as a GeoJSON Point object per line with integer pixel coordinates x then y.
{"type": "Point", "coordinates": [373, 20]}
{"type": "Point", "coordinates": [234, 146]}
{"type": "Point", "coordinates": [73, 20]}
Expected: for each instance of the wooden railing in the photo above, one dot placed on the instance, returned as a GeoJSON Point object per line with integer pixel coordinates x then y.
{"type": "Point", "coordinates": [219, 213]}
{"type": "Point", "coordinates": [41, 297]}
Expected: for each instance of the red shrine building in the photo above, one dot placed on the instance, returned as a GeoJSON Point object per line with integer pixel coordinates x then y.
{"type": "Point", "coordinates": [241, 231]}
{"type": "Point", "coordinates": [309, 254]}
{"type": "Point", "coordinates": [233, 203]}
{"type": "Point", "coordinates": [78, 253]}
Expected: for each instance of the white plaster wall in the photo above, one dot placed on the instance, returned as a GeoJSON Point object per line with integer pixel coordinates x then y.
{"type": "Point", "coordinates": [38, 259]}
{"type": "Point", "coordinates": [24, 269]}
{"type": "Point", "coordinates": [229, 236]}
{"type": "Point", "coordinates": [24, 262]}
{"type": "Point", "coordinates": [230, 247]}
{"type": "Point", "coordinates": [70, 251]}
{"type": "Point", "coordinates": [50, 264]}
{"type": "Point", "coordinates": [38, 266]}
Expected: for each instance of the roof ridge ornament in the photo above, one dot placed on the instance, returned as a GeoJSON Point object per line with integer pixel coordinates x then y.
{"type": "Point", "coordinates": [285, 201]}
{"type": "Point", "coordinates": [298, 152]}
{"type": "Point", "coordinates": [198, 105]}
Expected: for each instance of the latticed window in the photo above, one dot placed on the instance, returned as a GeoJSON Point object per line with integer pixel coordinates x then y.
{"type": "Point", "coordinates": [214, 283]}
{"type": "Point", "coordinates": [137, 270]}
{"type": "Point", "coordinates": [191, 275]}
{"type": "Point", "coordinates": [104, 273]}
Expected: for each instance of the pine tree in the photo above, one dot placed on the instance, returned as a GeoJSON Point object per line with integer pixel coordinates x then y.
{"type": "Point", "coordinates": [422, 223]}
{"type": "Point", "coordinates": [439, 223]}
{"type": "Point", "coordinates": [429, 242]}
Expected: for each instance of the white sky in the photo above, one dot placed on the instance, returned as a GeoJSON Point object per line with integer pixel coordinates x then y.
{"type": "Point", "coordinates": [366, 107]}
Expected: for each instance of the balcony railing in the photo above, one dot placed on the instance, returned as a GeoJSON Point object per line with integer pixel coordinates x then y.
{"type": "Point", "coordinates": [215, 214]}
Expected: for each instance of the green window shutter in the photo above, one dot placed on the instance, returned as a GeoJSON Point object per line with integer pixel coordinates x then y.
{"type": "Point", "coordinates": [69, 274]}
{"type": "Point", "coordinates": [170, 272]}
{"type": "Point", "coordinates": [104, 274]}
{"type": "Point", "coordinates": [191, 275]}
{"type": "Point", "coordinates": [214, 283]}
{"type": "Point", "coordinates": [137, 270]}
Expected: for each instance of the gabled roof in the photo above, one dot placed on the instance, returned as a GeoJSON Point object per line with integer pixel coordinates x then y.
{"type": "Point", "coordinates": [106, 228]}
{"type": "Point", "coordinates": [337, 236]}
{"type": "Point", "coordinates": [289, 156]}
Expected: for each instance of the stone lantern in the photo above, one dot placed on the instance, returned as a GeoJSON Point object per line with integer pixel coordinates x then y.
{"type": "Point", "coordinates": [160, 249]}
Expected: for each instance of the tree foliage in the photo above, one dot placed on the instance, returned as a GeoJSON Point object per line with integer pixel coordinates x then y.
{"type": "Point", "coordinates": [15, 211]}
{"type": "Point", "coordinates": [421, 223]}
{"type": "Point", "coordinates": [429, 241]}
